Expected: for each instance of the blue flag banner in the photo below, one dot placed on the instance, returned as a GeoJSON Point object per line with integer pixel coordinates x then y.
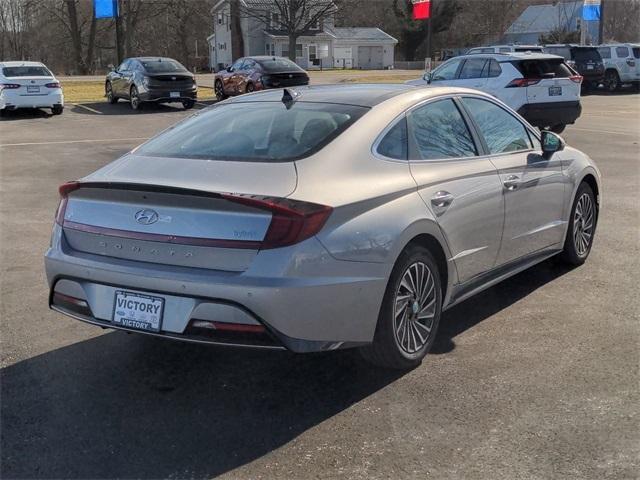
{"type": "Point", "coordinates": [591, 10]}
{"type": "Point", "coordinates": [105, 8]}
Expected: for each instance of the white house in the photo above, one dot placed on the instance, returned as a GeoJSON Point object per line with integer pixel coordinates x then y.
{"type": "Point", "coordinates": [324, 46]}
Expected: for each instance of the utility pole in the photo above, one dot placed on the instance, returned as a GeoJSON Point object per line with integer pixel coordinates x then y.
{"type": "Point", "coordinates": [119, 52]}
{"type": "Point", "coordinates": [429, 31]}
{"type": "Point", "coordinates": [601, 31]}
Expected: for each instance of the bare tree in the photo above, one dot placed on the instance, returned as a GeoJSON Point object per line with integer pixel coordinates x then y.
{"type": "Point", "coordinates": [295, 18]}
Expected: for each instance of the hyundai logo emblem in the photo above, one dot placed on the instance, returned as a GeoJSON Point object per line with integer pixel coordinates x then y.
{"type": "Point", "coordinates": [146, 216]}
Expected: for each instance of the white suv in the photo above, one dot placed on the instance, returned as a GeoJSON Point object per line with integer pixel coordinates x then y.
{"type": "Point", "coordinates": [539, 86]}
{"type": "Point", "coordinates": [621, 63]}
{"type": "Point", "coordinates": [29, 85]}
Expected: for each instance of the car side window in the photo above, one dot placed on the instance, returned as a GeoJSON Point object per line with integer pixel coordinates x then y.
{"type": "Point", "coordinates": [505, 50]}
{"type": "Point", "coordinates": [492, 69]}
{"type": "Point", "coordinates": [247, 65]}
{"type": "Point", "coordinates": [438, 131]}
{"type": "Point", "coordinates": [446, 71]}
{"type": "Point", "coordinates": [472, 68]}
{"type": "Point", "coordinates": [124, 66]}
{"type": "Point", "coordinates": [622, 52]}
{"type": "Point", "coordinates": [394, 143]}
{"type": "Point", "coordinates": [605, 52]}
{"type": "Point", "coordinates": [501, 131]}
{"type": "Point", "coordinates": [237, 64]}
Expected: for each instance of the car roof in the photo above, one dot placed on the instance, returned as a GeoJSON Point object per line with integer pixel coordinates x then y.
{"type": "Point", "coordinates": [511, 56]}
{"type": "Point", "coordinates": [153, 59]}
{"type": "Point", "coordinates": [619, 45]}
{"type": "Point", "coordinates": [21, 63]}
{"type": "Point", "coordinates": [361, 94]}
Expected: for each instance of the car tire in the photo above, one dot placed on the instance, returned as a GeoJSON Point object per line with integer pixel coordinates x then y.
{"type": "Point", "coordinates": [57, 109]}
{"type": "Point", "coordinates": [108, 92]}
{"type": "Point", "coordinates": [188, 104]}
{"type": "Point", "coordinates": [250, 88]}
{"type": "Point", "coordinates": [611, 81]}
{"type": "Point", "coordinates": [134, 99]}
{"type": "Point", "coordinates": [219, 90]}
{"type": "Point", "coordinates": [559, 128]}
{"type": "Point", "coordinates": [402, 338]}
{"type": "Point", "coordinates": [582, 227]}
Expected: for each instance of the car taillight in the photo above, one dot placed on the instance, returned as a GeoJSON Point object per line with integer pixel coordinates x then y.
{"type": "Point", "coordinates": [523, 82]}
{"type": "Point", "coordinates": [576, 78]}
{"type": "Point", "coordinates": [53, 85]}
{"type": "Point", "coordinates": [8, 86]}
{"type": "Point", "coordinates": [292, 221]}
{"type": "Point", "coordinates": [631, 62]}
{"type": "Point", "coordinates": [65, 189]}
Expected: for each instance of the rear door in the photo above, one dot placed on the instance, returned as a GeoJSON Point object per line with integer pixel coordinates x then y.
{"type": "Point", "coordinates": [622, 53]}
{"type": "Point", "coordinates": [460, 188]}
{"type": "Point", "coordinates": [230, 81]}
{"type": "Point", "coordinates": [471, 74]}
{"type": "Point", "coordinates": [533, 187]}
{"type": "Point", "coordinates": [550, 80]}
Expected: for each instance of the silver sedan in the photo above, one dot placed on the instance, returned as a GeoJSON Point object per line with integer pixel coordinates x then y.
{"type": "Point", "coordinates": [320, 218]}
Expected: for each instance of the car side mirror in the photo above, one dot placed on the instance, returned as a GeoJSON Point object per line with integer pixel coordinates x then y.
{"type": "Point", "coordinates": [229, 69]}
{"type": "Point", "coordinates": [551, 143]}
{"type": "Point", "coordinates": [427, 77]}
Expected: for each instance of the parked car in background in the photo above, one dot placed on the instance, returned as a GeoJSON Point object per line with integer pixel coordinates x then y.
{"type": "Point", "coordinates": [621, 65]}
{"type": "Point", "coordinates": [250, 74]}
{"type": "Point", "coordinates": [362, 212]}
{"type": "Point", "coordinates": [540, 87]}
{"type": "Point", "coordinates": [151, 79]}
{"type": "Point", "coordinates": [586, 60]}
{"type": "Point", "coordinates": [29, 85]}
{"type": "Point", "coordinates": [505, 49]}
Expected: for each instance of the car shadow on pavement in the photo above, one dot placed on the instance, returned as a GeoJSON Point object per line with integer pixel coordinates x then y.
{"type": "Point", "coordinates": [469, 313]}
{"type": "Point", "coordinates": [25, 114]}
{"type": "Point", "coordinates": [130, 406]}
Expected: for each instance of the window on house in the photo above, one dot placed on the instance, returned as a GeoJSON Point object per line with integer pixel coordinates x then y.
{"type": "Point", "coordinates": [275, 20]}
{"type": "Point", "coordinates": [298, 50]}
{"type": "Point", "coordinates": [285, 50]}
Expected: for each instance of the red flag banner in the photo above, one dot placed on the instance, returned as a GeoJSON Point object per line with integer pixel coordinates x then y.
{"type": "Point", "coordinates": [421, 9]}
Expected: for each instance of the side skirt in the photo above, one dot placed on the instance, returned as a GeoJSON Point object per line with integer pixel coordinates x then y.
{"type": "Point", "coordinates": [488, 279]}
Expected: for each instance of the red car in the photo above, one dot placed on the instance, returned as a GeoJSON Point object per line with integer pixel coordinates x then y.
{"type": "Point", "coordinates": [249, 74]}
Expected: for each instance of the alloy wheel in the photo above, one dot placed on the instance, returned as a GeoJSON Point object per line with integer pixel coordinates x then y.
{"type": "Point", "coordinates": [414, 308]}
{"type": "Point", "coordinates": [109, 93]}
{"type": "Point", "coordinates": [583, 218]}
{"type": "Point", "coordinates": [219, 91]}
{"type": "Point", "coordinates": [135, 101]}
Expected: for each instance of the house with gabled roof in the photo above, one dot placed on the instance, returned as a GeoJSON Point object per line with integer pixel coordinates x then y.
{"type": "Point", "coordinates": [537, 20]}
{"type": "Point", "coordinates": [323, 46]}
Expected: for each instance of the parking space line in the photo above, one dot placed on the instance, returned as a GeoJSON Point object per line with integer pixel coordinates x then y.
{"type": "Point", "coordinates": [88, 108]}
{"type": "Point", "coordinates": [603, 131]}
{"type": "Point", "coordinates": [129, 139]}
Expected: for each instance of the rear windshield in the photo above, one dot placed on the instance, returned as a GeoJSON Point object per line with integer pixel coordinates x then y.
{"type": "Point", "coordinates": [585, 54]}
{"type": "Point", "coordinates": [277, 65]}
{"type": "Point", "coordinates": [255, 131]}
{"type": "Point", "coordinates": [636, 52]}
{"type": "Point", "coordinates": [26, 72]}
{"type": "Point", "coordinates": [528, 49]}
{"type": "Point", "coordinates": [543, 68]}
{"type": "Point", "coordinates": [158, 66]}
{"type": "Point", "coordinates": [562, 51]}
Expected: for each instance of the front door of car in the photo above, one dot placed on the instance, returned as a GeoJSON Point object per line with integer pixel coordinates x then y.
{"type": "Point", "coordinates": [533, 186]}
{"type": "Point", "coordinates": [118, 78]}
{"type": "Point", "coordinates": [446, 73]}
{"type": "Point", "coordinates": [230, 80]}
{"type": "Point", "coordinates": [461, 188]}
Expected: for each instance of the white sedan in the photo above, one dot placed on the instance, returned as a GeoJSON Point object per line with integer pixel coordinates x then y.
{"type": "Point", "coordinates": [29, 85]}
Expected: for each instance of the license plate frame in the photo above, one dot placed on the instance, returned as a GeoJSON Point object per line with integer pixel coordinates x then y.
{"type": "Point", "coordinates": [133, 315]}
{"type": "Point", "coordinates": [555, 91]}
{"type": "Point", "coordinates": [33, 89]}
{"type": "Point", "coordinates": [174, 94]}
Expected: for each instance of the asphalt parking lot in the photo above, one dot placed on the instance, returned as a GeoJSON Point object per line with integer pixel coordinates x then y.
{"type": "Point", "coordinates": [537, 377]}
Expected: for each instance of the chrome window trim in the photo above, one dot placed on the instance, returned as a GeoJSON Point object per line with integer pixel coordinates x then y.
{"type": "Point", "coordinates": [529, 129]}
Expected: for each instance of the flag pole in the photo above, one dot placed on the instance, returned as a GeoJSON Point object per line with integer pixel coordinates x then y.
{"type": "Point", "coordinates": [429, 31]}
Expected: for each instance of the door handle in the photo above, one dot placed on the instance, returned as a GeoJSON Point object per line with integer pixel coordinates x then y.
{"type": "Point", "coordinates": [441, 199]}
{"type": "Point", "coordinates": [511, 182]}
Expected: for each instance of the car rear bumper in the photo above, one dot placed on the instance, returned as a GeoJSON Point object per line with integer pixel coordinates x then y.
{"type": "Point", "coordinates": [551, 113]}
{"type": "Point", "coordinates": [153, 95]}
{"type": "Point", "coordinates": [12, 100]}
{"type": "Point", "coordinates": [308, 302]}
